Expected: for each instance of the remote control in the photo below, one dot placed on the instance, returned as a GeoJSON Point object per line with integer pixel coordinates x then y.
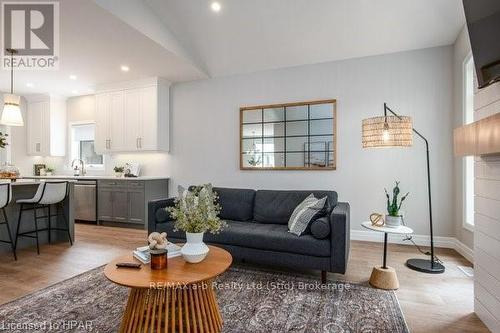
{"type": "Point", "coordinates": [128, 265]}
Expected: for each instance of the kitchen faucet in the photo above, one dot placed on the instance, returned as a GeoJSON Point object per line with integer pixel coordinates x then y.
{"type": "Point", "coordinates": [78, 171]}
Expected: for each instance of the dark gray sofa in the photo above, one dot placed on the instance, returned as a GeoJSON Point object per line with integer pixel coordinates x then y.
{"type": "Point", "coordinates": [257, 229]}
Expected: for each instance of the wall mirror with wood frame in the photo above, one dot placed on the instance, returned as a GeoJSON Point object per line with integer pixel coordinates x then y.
{"type": "Point", "coordinates": [293, 136]}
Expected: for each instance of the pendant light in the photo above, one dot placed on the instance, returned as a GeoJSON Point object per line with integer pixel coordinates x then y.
{"type": "Point", "coordinates": [11, 114]}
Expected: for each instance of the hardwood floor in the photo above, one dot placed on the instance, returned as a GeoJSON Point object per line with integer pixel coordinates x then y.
{"type": "Point", "coordinates": [431, 303]}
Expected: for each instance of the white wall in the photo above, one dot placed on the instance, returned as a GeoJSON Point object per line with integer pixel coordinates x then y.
{"type": "Point", "coordinates": [487, 220]}
{"type": "Point", "coordinates": [205, 125]}
{"type": "Point", "coordinates": [81, 108]}
{"type": "Point", "coordinates": [461, 50]}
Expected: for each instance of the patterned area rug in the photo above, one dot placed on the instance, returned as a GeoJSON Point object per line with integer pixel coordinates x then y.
{"type": "Point", "coordinates": [250, 301]}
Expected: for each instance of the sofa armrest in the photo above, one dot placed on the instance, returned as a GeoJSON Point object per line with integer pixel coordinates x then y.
{"type": "Point", "coordinates": [153, 207]}
{"type": "Point", "coordinates": [340, 237]}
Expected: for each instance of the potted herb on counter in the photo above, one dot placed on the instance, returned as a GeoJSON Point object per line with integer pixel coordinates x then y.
{"type": "Point", "coordinates": [118, 171]}
{"type": "Point", "coordinates": [49, 171]}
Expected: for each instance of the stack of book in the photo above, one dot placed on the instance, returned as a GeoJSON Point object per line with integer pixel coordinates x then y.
{"type": "Point", "coordinates": [142, 253]}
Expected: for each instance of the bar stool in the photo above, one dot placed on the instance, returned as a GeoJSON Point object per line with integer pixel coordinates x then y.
{"type": "Point", "coordinates": [5, 197]}
{"type": "Point", "coordinates": [48, 193]}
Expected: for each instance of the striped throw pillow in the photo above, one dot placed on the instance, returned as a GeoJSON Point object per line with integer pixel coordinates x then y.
{"type": "Point", "coordinates": [304, 213]}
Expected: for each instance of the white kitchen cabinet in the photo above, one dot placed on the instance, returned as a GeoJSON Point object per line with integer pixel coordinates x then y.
{"type": "Point", "coordinates": [46, 126]}
{"type": "Point", "coordinates": [102, 134]}
{"type": "Point", "coordinates": [149, 124]}
{"type": "Point", "coordinates": [134, 118]}
{"type": "Point", "coordinates": [35, 114]}
{"type": "Point", "coordinates": [110, 122]}
{"type": "Point", "coordinates": [117, 121]}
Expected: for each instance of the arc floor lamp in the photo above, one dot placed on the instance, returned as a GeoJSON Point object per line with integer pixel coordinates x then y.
{"type": "Point", "coordinates": [397, 131]}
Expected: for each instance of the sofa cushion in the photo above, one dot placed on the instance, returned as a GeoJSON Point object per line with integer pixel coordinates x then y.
{"type": "Point", "coordinates": [162, 215]}
{"type": "Point", "coordinates": [304, 213]}
{"type": "Point", "coordinates": [320, 228]}
{"type": "Point", "coordinates": [271, 237]}
{"type": "Point", "coordinates": [277, 206]}
{"type": "Point", "coordinates": [236, 204]}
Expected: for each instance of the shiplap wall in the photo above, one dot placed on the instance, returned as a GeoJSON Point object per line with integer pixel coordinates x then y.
{"type": "Point", "coordinates": [487, 220]}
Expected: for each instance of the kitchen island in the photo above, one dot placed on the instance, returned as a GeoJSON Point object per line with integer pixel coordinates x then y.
{"type": "Point", "coordinates": [25, 189]}
{"type": "Point", "coordinates": [114, 201]}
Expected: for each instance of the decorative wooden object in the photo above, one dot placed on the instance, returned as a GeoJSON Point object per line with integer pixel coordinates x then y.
{"type": "Point", "coordinates": [384, 278]}
{"type": "Point", "coordinates": [178, 299]}
{"type": "Point", "coordinates": [290, 136]}
{"type": "Point", "coordinates": [479, 138]}
{"type": "Point", "coordinates": [377, 219]}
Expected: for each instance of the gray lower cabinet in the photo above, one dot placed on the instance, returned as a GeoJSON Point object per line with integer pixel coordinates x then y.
{"type": "Point", "coordinates": [125, 201]}
{"type": "Point", "coordinates": [105, 207]}
{"type": "Point", "coordinates": [136, 207]}
{"type": "Point", "coordinates": [120, 205]}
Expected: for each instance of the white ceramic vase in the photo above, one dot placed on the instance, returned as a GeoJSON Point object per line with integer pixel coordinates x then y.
{"type": "Point", "coordinates": [194, 250]}
{"type": "Point", "coordinates": [392, 221]}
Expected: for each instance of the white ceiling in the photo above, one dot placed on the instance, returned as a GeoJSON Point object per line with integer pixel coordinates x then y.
{"type": "Point", "coordinates": [253, 35]}
{"type": "Point", "coordinates": [184, 40]}
{"type": "Point", "coordinates": [93, 46]}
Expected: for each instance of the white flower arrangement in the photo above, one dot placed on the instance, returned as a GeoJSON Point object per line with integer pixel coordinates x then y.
{"type": "Point", "coordinates": [197, 210]}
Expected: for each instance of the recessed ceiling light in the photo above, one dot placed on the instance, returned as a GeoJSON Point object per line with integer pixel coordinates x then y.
{"type": "Point", "coordinates": [124, 68]}
{"type": "Point", "coordinates": [73, 77]}
{"type": "Point", "coordinates": [215, 6]}
{"type": "Point", "coordinates": [74, 91]}
{"type": "Point", "coordinates": [29, 85]}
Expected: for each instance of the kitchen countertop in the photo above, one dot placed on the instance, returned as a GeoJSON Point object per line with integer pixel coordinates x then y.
{"type": "Point", "coordinates": [21, 181]}
{"type": "Point", "coordinates": [88, 177]}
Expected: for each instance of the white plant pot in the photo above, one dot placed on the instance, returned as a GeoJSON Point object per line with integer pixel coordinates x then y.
{"type": "Point", "coordinates": [194, 250]}
{"type": "Point", "coordinates": [393, 221]}
{"type": "Point", "coordinates": [118, 174]}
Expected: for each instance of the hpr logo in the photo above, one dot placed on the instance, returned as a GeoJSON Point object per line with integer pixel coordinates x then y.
{"type": "Point", "coordinates": [32, 29]}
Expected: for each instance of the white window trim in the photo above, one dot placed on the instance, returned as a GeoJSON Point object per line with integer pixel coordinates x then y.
{"type": "Point", "coordinates": [465, 223]}
{"type": "Point", "coordinates": [89, 167]}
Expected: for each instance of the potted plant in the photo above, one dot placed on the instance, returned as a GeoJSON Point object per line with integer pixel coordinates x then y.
{"type": "Point", "coordinates": [195, 212]}
{"type": "Point", "coordinates": [393, 219]}
{"type": "Point", "coordinates": [118, 171]}
{"type": "Point", "coordinates": [49, 171]}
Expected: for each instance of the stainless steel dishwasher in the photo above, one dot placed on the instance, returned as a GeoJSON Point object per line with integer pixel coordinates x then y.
{"type": "Point", "coordinates": [86, 200]}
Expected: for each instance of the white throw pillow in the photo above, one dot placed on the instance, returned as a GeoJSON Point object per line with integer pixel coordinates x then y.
{"type": "Point", "coordinates": [304, 213]}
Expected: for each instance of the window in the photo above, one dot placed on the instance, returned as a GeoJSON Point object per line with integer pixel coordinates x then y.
{"type": "Point", "coordinates": [468, 161]}
{"type": "Point", "coordinates": [82, 145]}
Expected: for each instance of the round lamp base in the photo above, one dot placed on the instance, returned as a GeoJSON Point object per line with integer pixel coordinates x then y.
{"type": "Point", "coordinates": [384, 278]}
{"type": "Point", "coordinates": [425, 266]}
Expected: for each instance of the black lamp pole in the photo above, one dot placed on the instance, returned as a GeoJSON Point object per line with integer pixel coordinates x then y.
{"type": "Point", "coordinates": [423, 265]}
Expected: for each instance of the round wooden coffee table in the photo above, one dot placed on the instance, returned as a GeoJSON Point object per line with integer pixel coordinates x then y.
{"type": "Point", "coordinates": [180, 298]}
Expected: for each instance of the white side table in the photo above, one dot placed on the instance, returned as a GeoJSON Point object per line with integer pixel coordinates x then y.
{"type": "Point", "coordinates": [385, 277]}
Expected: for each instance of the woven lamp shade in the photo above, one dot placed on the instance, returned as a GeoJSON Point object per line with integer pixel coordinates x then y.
{"type": "Point", "coordinates": [387, 131]}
